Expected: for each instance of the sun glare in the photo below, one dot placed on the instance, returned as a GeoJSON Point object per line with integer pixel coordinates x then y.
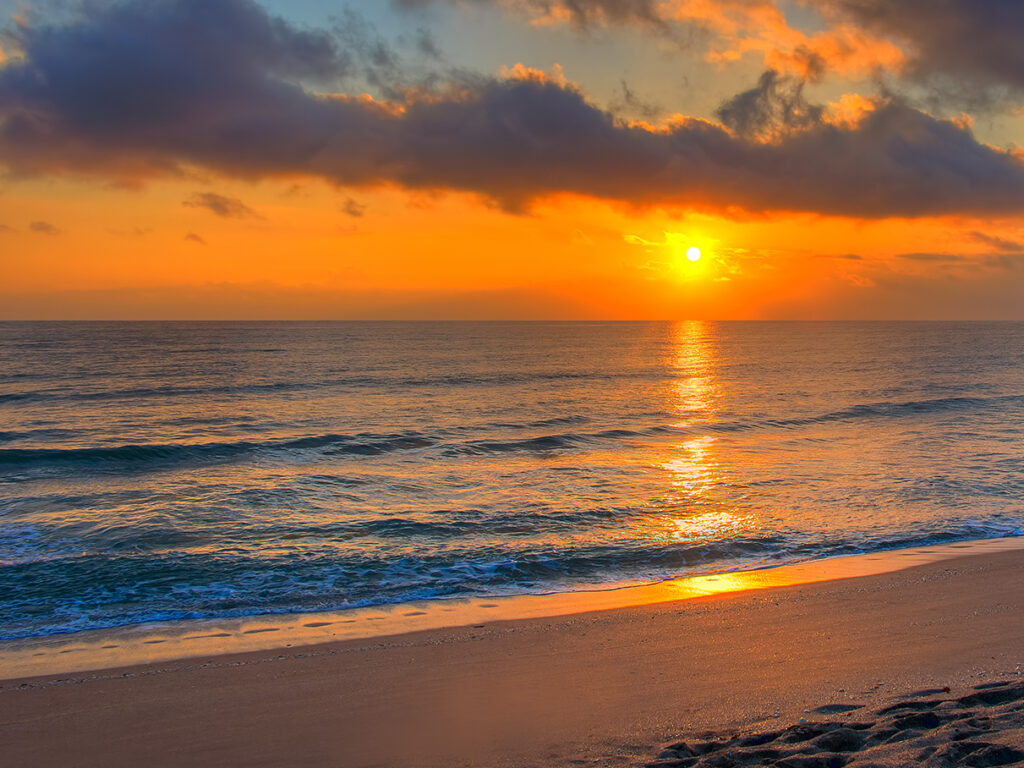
{"type": "Point", "coordinates": [693, 253]}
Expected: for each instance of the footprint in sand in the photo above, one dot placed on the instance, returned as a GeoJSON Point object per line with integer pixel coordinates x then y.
{"type": "Point", "coordinates": [979, 729]}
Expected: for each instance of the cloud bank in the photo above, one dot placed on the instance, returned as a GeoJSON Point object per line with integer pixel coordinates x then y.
{"type": "Point", "coordinates": [138, 89]}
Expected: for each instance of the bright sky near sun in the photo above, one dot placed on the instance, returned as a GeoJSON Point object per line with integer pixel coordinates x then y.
{"type": "Point", "coordinates": [521, 159]}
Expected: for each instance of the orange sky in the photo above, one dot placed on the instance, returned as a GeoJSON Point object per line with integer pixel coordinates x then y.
{"type": "Point", "coordinates": [90, 229]}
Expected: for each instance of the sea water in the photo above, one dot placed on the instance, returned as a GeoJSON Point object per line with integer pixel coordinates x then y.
{"type": "Point", "coordinates": [163, 471]}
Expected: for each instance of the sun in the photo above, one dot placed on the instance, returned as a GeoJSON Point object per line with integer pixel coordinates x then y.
{"type": "Point", "coordinates": [693, 253]}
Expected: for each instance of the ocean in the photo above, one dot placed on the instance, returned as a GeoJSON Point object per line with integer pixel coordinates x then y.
{"type": "Point", "coordinates": [166, 471]}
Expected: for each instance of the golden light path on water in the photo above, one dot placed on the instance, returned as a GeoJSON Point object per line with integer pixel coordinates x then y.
{"type": "Point", "coordinates": [692, 463]}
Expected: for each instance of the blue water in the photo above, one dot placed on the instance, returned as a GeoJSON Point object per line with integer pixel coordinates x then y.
{"type": "Point", "coordinates": [159, 471]}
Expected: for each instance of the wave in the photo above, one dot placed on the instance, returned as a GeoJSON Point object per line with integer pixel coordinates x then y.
{"type": "Point", "coordinates": [543, 443]}
{"type": "Point", "coordinates": [359, 444]}
{"type": "Point", "coordinates": [342, 383]}
{"type": "Point", "coordinates": [370, 444]}
{"type": "Point", "coordinates": [11, 436]}
{"type": "Point", "coordinates": [131, 589]}
{"type": "Point", "coordinates": [880, 410]}
{"type": "Point", "coordinates": [884, 409]}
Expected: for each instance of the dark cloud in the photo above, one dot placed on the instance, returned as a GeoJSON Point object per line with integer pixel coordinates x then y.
{"type": "Point", "coordinates": [43, 228]}
{"type": "Point", "coordinates": [166, 79]}
{"type": "Point", "coordinates": [353, 208]}
{"type": "Point", "coordinates": [974, 40]}
{"type": "Point", "coordinates": [773, 107]}
{"type": "Point", "coordinates": [999, 243]}
{"type": "Point", "coordinates": [221, 205]}
{"type": "Point", "coordinates": [142, 88]}
{"type": "Point", "coordinates": [192, 237]}
{"type": "Point", "coordinates": [4, 229]}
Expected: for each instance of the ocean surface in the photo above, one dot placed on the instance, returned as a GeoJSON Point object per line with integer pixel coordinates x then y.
{"type": "Point", "coordinates": [161, 471]}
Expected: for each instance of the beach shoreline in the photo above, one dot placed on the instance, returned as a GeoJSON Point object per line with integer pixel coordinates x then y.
{"type": "Point", "coordinates": [601, 687]}
{"type": "Point", "coordinates": [158, 642]}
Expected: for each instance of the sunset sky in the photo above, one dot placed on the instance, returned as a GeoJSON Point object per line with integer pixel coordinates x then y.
{"type": "Point", "coordinates": [511, 159]}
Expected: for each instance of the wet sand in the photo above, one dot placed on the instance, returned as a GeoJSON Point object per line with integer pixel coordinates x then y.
{"type": "Point", "coordinates": [603, 688]}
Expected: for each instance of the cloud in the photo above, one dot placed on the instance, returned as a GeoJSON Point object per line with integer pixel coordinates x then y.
{"type": "Point", "coordinates": [964, 40]}
{"type": "Point", "coordinates": [773, 108]}
{"type": "Point", "coordinates": [734, 29]}
{"type": "Point", "coordinates": [580, 13]}
{"type": "Point", "coordinates": [627, 100]}
{"type": "Point", "coordinates": [729, 30]}
{"type": "Point", "coordinates": [426, 45]}
{"type": "Point", "coordinates": [377, 63]}
{"type": "Point", "coordinates": [4, 229]}
{"type": "Point", "coordinates": [192, 237]}
{"type": "Point", "coordinates": [221, 205]}
{"type": "Point", "coordinates": [934, 257]}
{"type": "Point", "coordinates": [1003, 261]}
{"type": "Point", "coordinates": [999, 243]}
{"type": "Point", "coordinates": [140, 89]}
{"type": "Point", "coordinates": [133, 232]}
{"type": "Point", "coordinates": [43, 228]}
{"type": "Point", "coordinates": [353, 208]}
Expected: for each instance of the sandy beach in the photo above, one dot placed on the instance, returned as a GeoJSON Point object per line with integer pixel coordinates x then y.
{"type": "Point", "coordinates": [596, 688]}
{"type": "Point", "coordinates": [511, 383]}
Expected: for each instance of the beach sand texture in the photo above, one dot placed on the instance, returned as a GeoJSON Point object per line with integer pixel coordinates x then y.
{"type": "Point", "coordinates": [982, 727]}
{"type": "Point", "coordinates": [601, 688]}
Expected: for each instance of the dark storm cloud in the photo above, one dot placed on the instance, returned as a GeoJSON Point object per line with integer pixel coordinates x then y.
{"type": "Point", "coordinates": [974, 40]}
{"type": "Point", "coordinates": [43, 228]}
{"type": "Point", "coordinates": [221, 205]}
{"type": "Point", "coordinates": [142, 88]}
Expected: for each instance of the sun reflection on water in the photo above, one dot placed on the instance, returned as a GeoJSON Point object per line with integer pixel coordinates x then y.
{"type": "Point", "coordinates": [711, 526]}
{"type": "Point", "coordinates": [692, 465]}
{"type": "Point", "coordinates": [695, 360]}
{"type": "Point", "coordinates": [690, 512]}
